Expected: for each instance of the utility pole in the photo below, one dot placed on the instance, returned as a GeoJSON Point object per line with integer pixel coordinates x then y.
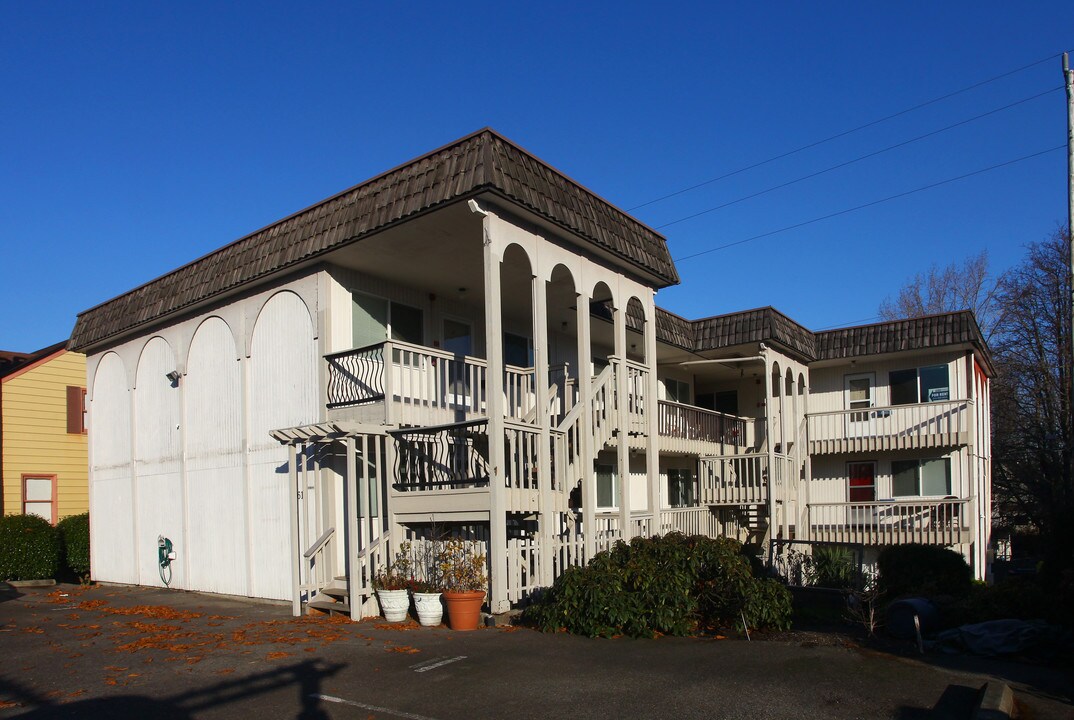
{"type": "Point", "coordinates": [1068, 81]}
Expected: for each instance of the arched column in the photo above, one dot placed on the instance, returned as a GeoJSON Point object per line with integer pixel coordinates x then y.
{"type": "Point", "coordinates": [622, 418]}
{"type": "Point", "coordinates": [585, 397]}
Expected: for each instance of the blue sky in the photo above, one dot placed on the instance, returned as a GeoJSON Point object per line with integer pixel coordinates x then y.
{"type": "Point", "coordinates": [139, 136]}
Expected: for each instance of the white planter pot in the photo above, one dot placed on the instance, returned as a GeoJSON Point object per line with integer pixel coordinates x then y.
{"type": "Point", "coordinates": [393, 604]}
{"type": "Point", "coordinates": [430, 610]}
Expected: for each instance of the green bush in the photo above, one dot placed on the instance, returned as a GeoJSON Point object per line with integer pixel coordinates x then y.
{"type": "Point", "coordinates": [1022, 599]}
{"type": "Point", "coordinates": [673, 585]}
{"type": "Point", "coordinates": [29, 548]}
{"type": "Point", "coordinates": [926, 570]}
{"type": "Point", "coordinates": [74, 534]}
{"type": "Point", "coordinates": [835, 567]}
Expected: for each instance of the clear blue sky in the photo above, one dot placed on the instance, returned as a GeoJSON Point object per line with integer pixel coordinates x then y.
{"type": "Point", "coordinates": [139, 136]}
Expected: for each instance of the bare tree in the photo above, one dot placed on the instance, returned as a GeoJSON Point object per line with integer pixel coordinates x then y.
{"type": "Point", "coordinates": [1033, 442]}
{"type": "Point", "coordinates": [966, 286]}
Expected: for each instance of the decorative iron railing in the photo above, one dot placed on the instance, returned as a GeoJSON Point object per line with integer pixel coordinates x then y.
{"type": "Point", "coordinates": [442, 457]}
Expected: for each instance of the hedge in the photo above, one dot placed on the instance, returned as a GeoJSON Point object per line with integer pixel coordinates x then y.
{"type": "Point", "coordinates": [29, 548]}
{"type": "Point", "coordinates": [74, 534]}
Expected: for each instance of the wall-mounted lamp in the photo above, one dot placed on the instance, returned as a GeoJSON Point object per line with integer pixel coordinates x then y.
{"type": "Point", "coordinates": [173, 377]}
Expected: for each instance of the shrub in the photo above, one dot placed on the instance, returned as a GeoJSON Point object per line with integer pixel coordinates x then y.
{"type": "Point", "coordinates": [926, 570]}
{"type": "Point", "coordinates": [29, 548]}
{"type": "Point", "coordinates": [672, 585]}
{"type": "Point", "coordinates": [835, 567]}
{"type": "Point", "coordinates": [1023, 599]}
{"type": "Point", "coordinates": [74, 534]}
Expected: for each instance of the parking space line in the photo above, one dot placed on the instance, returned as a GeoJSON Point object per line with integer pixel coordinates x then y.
{"type": "Point", "coordinates": [374, 708]}
{"type": "Point", "coordinates": [435, 664]}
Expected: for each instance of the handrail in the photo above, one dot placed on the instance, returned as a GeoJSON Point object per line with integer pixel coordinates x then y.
{"type": "Point", "coordinates": [319, 543]}
{"type": "Point", "coordinates": [577, 410]}
{"type": "Point", "coordinates": [425, 349]}
{"type": "Point", "coordinates": [875, 408]}
{"type": "Point", "coordinates": [919, 500]}
{"type": "Point", "coordinates": [433, 429]}
{"type": "Point", "coordinates": [372, 546]}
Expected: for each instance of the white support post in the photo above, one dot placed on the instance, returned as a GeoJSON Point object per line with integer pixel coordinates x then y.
{"type": "Point", "coordinates": [498, 600]}
{"type": "Point", "coordinates": [588, 452]}
{"type": "Point", "coordinates": [622, 444]}
{"type": "Point", "coordinates": [544, 461]}
{"type": "Point", "coordinates": [652, 409]}
{"type": "Point", "coordinates": [805, 531]}
{"type": "Point", "coordinates": [296, 549]}
{"type": "Point", "coordinates": [353, 542]}
{"type": "Point", "coordinates": [770, 428]}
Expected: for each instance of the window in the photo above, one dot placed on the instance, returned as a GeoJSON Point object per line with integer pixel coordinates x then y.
{"type": "Point", "coordinates": [517, 350]}
{"type": "Point", "coordinates": [607, 487]}
{"type": "Point", "coordinates": [39, 496]}
{"type": "Point", "coordinates": [76, 409]}
{"type": "Point", "coordinates": [862, 482]}
{"type": "Point", "coordinates": [677, 391]}
{"type": "Point", "coordinates": [374, 320]}
{"type": "Point", "coordinates": [919, 385]}
{"type": "Point", "coordinates": [681, 487]}
{"type": "Point", "coordinates": [921, 477]}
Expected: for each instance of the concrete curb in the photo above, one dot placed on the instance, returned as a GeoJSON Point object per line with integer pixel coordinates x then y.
{"type": "Point", "coordinates": [31, 583]}
{"type": "Point", "coordinates": [995, 701]}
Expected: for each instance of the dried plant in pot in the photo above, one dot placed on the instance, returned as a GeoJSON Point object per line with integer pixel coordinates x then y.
{"type": "Point", "coordinates": [427, 604]}
{"type": "Point", "coordinates": [390, 582]}
{"type": "Point", "coordinates": [462, 569]}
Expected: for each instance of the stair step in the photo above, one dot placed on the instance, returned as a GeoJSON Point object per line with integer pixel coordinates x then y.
{"type": "Point", "coordinates": [329, 607]}
{"type": "Point", "coordinates": [335, 589]}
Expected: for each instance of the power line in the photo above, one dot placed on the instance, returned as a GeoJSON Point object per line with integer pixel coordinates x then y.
{"type": "Point", "coordinates": [870, 204]}
{"type": "Point", "coordinates": [858, 159]}
{"type": "Point", "coordinates": [848, 323]}
{"type": "Point", "coordinates": [846, 132]}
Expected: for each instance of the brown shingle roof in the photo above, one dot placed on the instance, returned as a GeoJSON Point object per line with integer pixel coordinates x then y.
{"type": "Point", "coordinates": [481, 162]}
{"type": "Point", "coordinates": [769, 325]}
{"type": "Point", "coordinates": [930, 331]}
{"type": "Point", "coordinates": [761, 325]}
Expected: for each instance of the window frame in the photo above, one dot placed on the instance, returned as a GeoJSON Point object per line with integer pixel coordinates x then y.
{"type": "Point", "coordinates": [616, 486]}
{"type": "Point", "coordinates": [917, 371]}
{"type": "Point", "coordinates": [682, 477]}
{"type": "Point", "coordinates": [52, 477]}
{"type": "Point", "coordinates": [919, 464]}
{"type": "Point", "coordinates": [388, 329]}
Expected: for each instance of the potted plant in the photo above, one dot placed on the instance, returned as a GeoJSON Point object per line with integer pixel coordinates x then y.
{"type": "Point", "coordinates": [427, 603]}
{"type": "Point", "coordinates": [390, 582]}
{"type": "Point", "coordinates": [462, 569]}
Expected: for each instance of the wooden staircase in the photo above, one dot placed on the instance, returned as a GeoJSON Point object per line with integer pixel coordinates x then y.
{"type": "Point", "coordinates": [331, 599]}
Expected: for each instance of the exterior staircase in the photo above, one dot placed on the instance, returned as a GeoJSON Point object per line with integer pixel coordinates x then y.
{"type": "Point", "coordinates": [332, 599]}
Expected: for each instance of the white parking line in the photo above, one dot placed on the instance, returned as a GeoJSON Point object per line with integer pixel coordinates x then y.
{"type": "Point", "coordinates": [374, 708]}
{"type": "Point", "coordinates": [434, 665]}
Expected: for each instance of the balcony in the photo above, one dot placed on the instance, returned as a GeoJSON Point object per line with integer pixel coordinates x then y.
{"type": "Point", "coordinates": [689, 429]}
{"type": "Point", "coordinates": [943, 521]}
{"type": "Point", "coordinates": [744, 479]}
{"type": "Point", "coordinates": [398, 383]}
{"type": "Point", "coordinates": [899, 427]}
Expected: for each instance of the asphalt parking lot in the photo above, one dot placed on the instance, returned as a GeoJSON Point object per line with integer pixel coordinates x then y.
{"type": "Point", "coordinates": [107, 652]}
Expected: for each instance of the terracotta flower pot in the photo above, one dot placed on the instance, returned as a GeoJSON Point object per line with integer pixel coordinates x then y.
{"type": "Point", "coordinates": [464, 609]}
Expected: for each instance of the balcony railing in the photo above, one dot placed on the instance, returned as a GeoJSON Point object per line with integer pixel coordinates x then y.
{"type": "Point", "coordinates": [743, 479]}
{"type": "Point", "coordinates": [942, 521]}
{"type": "Point", "coordinates": [687, 427]}
{"type": "Point", "coordinates": [899, 427]}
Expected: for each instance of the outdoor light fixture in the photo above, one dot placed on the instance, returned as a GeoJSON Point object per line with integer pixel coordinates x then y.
{"type": "Point", "coordinates": [173, 377]}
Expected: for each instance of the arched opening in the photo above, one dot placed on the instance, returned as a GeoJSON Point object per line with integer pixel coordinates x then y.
{"type": "Point", "coordinates": [602, 347]}
{"type": "Point", "coordinates": [516, 313]}
{"type": "Point", "coordinates": [563, 373]}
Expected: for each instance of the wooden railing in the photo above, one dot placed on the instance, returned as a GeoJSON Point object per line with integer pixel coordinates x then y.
{"type": "Point", "coordinates": [743, 479]}
{"type": "Point", "coordinates": [319, 564]}
{"type": "Point", "coordinates": [421, 382]}
{"type": "Point", "coordinates": [689, 521]}
{"type": "Point", "coordinates": [638, 405]}
{"type": "Point", "coordinates": [686, 422]}
{"type": "Point", "coordinates": [897, 427]}
{"type": "Point", "coordinates": [444, 457]}
{"type": "Point", "coordinates": [943, 521]}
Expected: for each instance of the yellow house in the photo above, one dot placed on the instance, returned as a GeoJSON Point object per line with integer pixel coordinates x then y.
{"type": "Point", "coordinates": [43, 464]}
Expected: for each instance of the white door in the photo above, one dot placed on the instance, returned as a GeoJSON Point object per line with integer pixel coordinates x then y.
{"type": "Point", "coordinates": [859, 392]}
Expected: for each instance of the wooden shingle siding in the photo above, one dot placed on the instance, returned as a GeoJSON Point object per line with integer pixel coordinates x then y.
{"type": "Point", "coordinates": [482, 162]}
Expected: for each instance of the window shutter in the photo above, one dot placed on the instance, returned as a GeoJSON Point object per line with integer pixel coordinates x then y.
{"type": "Point", "coordinates": [74, 409]}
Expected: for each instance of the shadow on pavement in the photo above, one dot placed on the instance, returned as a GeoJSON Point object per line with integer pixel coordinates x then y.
{"type": "Point", "coordinates": [305, 678]}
